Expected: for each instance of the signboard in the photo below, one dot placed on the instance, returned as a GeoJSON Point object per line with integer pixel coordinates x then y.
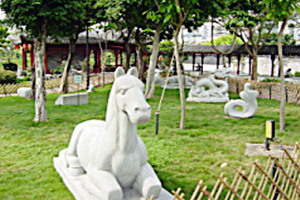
{"type": "Point", "coordinates": [77, 78]}
{"type": "Point", "coordinates": [270, 129]}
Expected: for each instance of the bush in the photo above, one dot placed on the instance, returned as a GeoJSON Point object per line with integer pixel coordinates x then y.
{"type": "Point", "coordinates": [25, 79]}
{"type": "Point", "coordinates": [7, 77]}
{"type": "Point", "coordinates": [270, 80]}
{"type": "Point", "coordinates": [297, 74]}
{"type": "Point", "coordinates": [10, 66]}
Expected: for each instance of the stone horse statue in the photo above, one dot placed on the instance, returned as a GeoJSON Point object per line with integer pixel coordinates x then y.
{"type": "Point", "coordinates": [210, 89]}
{"type": "Point", "coordinates": [110, 154]}
{"type": "Point", "coordinates": [248, 103]}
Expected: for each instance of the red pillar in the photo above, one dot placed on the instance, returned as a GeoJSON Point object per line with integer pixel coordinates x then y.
{"type": "Point", "coordinates": [24, 60]}
{"type": "Point", "coordinates": [31, 57]}
{"type": "Point", "coordinates": [116, 58]}
{"type": "Point", "coordinates": [47, 71]}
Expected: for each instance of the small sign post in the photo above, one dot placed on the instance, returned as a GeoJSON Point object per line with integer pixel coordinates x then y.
{"type": "Point", "coordinates": [78, 80]}
{"type": "Point", "coordinates": [270, 132]}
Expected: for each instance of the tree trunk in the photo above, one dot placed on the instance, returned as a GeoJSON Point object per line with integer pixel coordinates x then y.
{"type": "Point", "coordinates": [282, 84]}
{"type": "Point", "coordinates": [63, 88]}
{"type": "Point", "coordinates": [254, 65]}
{"type": "Point", "coordinates": [140, 62]}
{"type": "Point", "coordinates": [128, 55]}
{"type": "Point", "coordinates": [128, 50]}
{"type": "Point", "coordinates": [180, 78]}
{"type": "Point", "coordinates": [150, 84]}
{"type": "Point", "coordinates": [39, 64]}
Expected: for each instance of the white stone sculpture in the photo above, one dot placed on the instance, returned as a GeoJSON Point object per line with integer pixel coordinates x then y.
{"type": "Point", "coordinates": [157, 77]}
{"type": "Point", "coordinates": [73, 99]}
{"type": "Point", "coordinates": [174, 84]}
{"type": "Point", "coordinates": [248, 103]}
{"type": "Point", "coordinates": [210, 89]}
{"type": "Point", "coordinates": [24, 92]}
{"type": "Point", "coordinates": [91, 89]}
{"type": "Point", "coordinates": [108, 160]}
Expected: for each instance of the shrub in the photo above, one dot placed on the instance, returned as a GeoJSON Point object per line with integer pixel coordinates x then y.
{"type": "Point", "coordinates": [7, 77]}
{"type": "Point", "coordinates": [297, 74]}
{"type": "Point", "coordinates": [10, 66]}
{"type": "Point", "coordinates": [270, 80]}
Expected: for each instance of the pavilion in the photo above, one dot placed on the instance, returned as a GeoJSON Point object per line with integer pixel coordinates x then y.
{"type": "Point", "coordinates": [57, 51]}
{"type": "Point", "coordinates": [238, 51]}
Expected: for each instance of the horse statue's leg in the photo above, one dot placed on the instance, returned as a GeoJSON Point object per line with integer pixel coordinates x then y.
{"type": "Point", "coordinates": [147, 183]}
{"type": "Point", "coordinates": [106, 184]}
{"type": "Point", "coordinates": [71, 155]}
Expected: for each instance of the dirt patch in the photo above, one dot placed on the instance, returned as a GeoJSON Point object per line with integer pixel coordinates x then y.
{"type": "Point", "coordinates": [276, 150]}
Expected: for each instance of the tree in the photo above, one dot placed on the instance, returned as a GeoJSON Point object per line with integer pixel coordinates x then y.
{"type": "Point", "coordinates": [76, 16]}
{"type": "Point", "coordinates": [3, 35]}
{"type": "Point", "coordinates": [156, 15]}
{"type": "Point", "coordinates": [121, 17]}
{"type": "Point", "coordinates": [191, 14]}
{"type": "Point", "coordinates": [281, 11]}
{"type": "Point", "coordinates": [246, 19]}
{"type": "Point", "coordinates": [287, 39]}
{"type": "Point", "coordinates": [40, 17]}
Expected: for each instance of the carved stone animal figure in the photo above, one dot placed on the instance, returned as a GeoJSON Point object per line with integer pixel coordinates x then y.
{"type": "Point", "coordinates": [248, 103]}
{"type": "Point", "coordinates": [111, 153]}
{"type": "Point", "coordinates": [210, 88]}
{"type": "Point", "coordinates": [174, 84]}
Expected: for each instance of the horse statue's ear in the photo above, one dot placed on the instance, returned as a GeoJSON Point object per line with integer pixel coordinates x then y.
{"type": "Point", "coordinates": [119, 72]}
{"type": "Point", "coordinates": [133, 71]}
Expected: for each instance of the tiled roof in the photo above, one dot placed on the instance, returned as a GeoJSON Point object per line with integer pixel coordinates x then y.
{"type": "Point", "coordinates": [240, 49]}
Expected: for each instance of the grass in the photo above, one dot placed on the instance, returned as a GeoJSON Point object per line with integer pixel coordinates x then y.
{"type": "Point", "coordinates": [180, 157]}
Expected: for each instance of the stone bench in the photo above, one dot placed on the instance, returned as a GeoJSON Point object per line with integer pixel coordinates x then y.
{"type": "Point", "coordinates": [72, 99]}
{"type": "Point", "coordinates": [24, 92]}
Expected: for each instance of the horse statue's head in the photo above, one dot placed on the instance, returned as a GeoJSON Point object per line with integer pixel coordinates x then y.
{"type": "Point", "coordinates": [129, 96]}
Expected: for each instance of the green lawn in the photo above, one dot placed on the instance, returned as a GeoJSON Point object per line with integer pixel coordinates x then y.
{"type": "Point", "coordinates": [180, 157]}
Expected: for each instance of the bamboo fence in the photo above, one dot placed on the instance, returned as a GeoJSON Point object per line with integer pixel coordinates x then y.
{"type": "Point", "coordinates": [278, 180]}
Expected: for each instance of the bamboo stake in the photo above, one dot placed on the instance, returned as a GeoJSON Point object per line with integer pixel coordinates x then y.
{"type": "Point", "coordinates": [295, 196]}
{"type": "Point", "coordinates": [277, 176]}
{"type": "Point", "coordinates": [232, 184]}
{"type": "Point", "coordinates": [237, 186]}
{"type": "Point", "coordinates": [203, 192]}
{"type": "Point", "coordinates": [293, 161]}
{"type": "Point", "coordinates": [252, 185]}
{"type": "Point", "coordinates": [266, 179]}
{"type": "Point", "coordinates": [261, 180]}
{"type": "Point", "coordinates": [206, 193]}
{"type": "Point", "coordinates": [226, 185]}
{"type": "Point", "coordinates": [246, 184]}
{"type": "Point", "coordinates": [272, 181]}
{"type": "Point", "coordinates": [196, 190]}
{"type": "Point", "coordinates": [287, 176]}
{"type": "Point", "coordinates": [216, 186]}
{"type": "Point", "coordinates": [220, 190]}
{"type": "Point", "coordinates": [250, 189]}
{"type": "Point", "coordinates": [151, 198]}
{"type": "Point", "coordinates": [176, 194]}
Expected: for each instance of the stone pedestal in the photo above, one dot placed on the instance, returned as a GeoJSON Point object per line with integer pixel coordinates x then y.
{"type": "Point", "coordinates": [210, 99]}
{"type": "Point", "coordinates": [24, 92]}
{"type": "Point", "coordinates": [72, 99]}
{"type": "Point", "coordinates": [79, 185]}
